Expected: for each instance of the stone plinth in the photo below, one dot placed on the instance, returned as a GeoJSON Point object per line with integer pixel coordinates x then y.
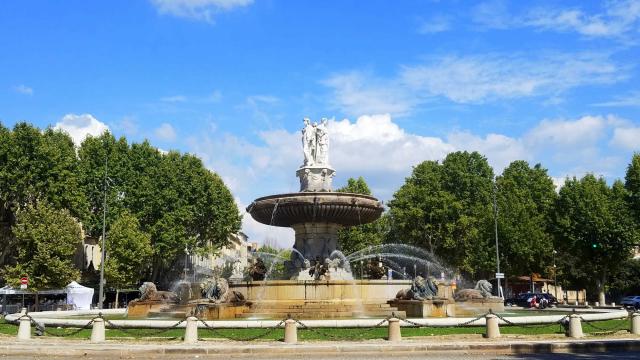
{"type": "Point", "coordinates": [139, 309]}
{"type": "Point", "coordinates": [213, 311]}
{"type": "Point", "coordinates": [425, 308]}
{"type": "Point", "coordinates": [315, 178]}
{"type": "Point", "coordinates": [479, 306]}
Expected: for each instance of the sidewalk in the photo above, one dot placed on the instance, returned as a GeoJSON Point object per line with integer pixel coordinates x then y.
{"type": "Point", "coordinates": [9, 346]}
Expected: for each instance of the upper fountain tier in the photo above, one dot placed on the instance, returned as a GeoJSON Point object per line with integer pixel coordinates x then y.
{"type": "Point", "coordinates": [316, 207]}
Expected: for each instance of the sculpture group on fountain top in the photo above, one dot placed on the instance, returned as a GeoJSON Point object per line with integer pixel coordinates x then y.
{"type": "Point", "coordinates": [315, 173]}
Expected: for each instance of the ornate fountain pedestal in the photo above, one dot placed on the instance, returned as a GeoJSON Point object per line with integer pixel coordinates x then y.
{"type": "Point", "coordinates": [437, 307]}
{"type": "Point", "coordinates": [316, 218]}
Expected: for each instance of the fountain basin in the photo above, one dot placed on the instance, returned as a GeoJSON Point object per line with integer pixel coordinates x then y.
{"type": "Point", "coordinates": [343, 209]}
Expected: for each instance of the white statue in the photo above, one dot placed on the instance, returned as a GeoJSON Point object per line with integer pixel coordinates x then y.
{"type": "Point", "coordinates": [322, 139]}
{"type": "Point", "coordinates": [309, 142]}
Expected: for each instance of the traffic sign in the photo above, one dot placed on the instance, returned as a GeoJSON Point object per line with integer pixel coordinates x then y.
{"type": "Point", "coordinates": [24, 280]}
{"type": "Point", "coordinates": [499, 275]}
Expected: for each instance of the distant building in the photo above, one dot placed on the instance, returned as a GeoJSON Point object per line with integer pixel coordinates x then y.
{"type": "Point", "coordinates": [235, 254]}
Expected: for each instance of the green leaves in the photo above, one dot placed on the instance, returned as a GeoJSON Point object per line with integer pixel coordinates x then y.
{"type": "Point", "coordinates": [46, 240]}
{"type": "Point", "coordinates": [129, 252]}
{"type": "Point", "coordinates": [359, 237]}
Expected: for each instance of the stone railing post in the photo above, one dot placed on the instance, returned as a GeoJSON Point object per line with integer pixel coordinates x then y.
{"type": "Point", "coordinates": [191, 330]}
{"type": "Point", "coordinates": [97, 331]}
{"type": "Point", "coordinates": [24, 330]}
{"type": "Point", "coordinates": [394, 330]}
{"type": "Point", "coordinates": [575, 326]}
{"type": "Point", "coordinates": [290, 331]}
{"type": "Point", "coordinates": [492, 327]}
{"type": "Point", "coordinates": [635, 323]}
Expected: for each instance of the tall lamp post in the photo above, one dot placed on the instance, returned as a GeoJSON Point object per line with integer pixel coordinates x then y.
{"type": "Point", "coordinates": [555, 271]}
{"type": "Point", "coordinates": [104, 236]}
{"type": "Point", "coordinates": [495, 224]}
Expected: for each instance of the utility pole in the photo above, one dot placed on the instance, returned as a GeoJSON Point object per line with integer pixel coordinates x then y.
{"type": "Point", "coordinates": [495, 223]}
{"type": "Point", "coordinates": [555, 271]}
{"type": "Point", "coordinates": [104, 236]}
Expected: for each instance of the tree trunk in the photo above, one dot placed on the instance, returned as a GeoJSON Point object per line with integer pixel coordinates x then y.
{"type": "Point", "coordinates": [601, 282]}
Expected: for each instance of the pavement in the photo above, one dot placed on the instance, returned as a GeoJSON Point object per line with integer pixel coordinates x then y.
{"type": "Point", "coordinates": [444, 347]}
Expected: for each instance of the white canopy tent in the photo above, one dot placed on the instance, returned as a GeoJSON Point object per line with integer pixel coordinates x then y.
{"type": "Point", "coordinates": [78, 295]}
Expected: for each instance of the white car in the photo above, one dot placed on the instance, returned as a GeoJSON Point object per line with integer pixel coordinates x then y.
{"type": "Point", "coordinates": [631, 301]}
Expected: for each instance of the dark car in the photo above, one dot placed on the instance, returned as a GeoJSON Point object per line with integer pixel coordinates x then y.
{"type": "Point", "coordinates": [524, 300]}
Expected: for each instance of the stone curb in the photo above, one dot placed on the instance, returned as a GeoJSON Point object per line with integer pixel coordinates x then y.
{"type": "Point", "coordinates": [68, 348]}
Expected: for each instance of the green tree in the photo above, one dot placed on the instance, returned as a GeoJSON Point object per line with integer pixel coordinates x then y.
{"type": "Point", "coordinates": [35, 166]}
{"type": "Point", "coordinates": [128, 252]}
{"type": "Point", "coordinates": [595, 230]}
{"type": "Point", "coordinates": [632, 183]}
{"type": "Point", "coordinates": [447, 209]}
{"type": "Point", "coordinates": [358, 237]}
{"type": "Point", "coordinates": [46, 240]}
{"type": "Point", "coordinates": [526, 197]}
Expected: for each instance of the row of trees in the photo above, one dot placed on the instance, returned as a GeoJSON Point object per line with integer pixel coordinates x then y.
{"type": "Point", "coordinates": [52, 195]}
{"type": "Point", "coordinates": [448, 208]}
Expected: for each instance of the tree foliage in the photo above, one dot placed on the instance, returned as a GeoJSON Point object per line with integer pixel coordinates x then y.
{"type": "Point", "coordinates": [446, 209]}
{"type": "Point", "coordinates": [526, 197]}
{"type": "Point", "coordinates": [595, 229]}
{"type": "Point", "coordinates": [358, 237]}
{"type": "Point", "coordinates": [129, 251]}
{"type": "Point", "coordinates": [177, 202]}
{"type": "Point", "coordinates": [46, 240]}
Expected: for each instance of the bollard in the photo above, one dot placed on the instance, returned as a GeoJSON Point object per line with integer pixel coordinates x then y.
{"type": "Point", "coordinates": [191, 331]}
{"type": "Point", "coordinates": [613, 304]}
{"type": "Point", "coordinates": [596, 304]}
{"type": "Point", "coordinates": [290, 331]}
{"type": "Point", "coordinates": [394, 330]}
{"type": "Point", "coordinates": [492, 327]}
{"type": "Point", "coordinates": [24, 330]}
{"type": "Point", "coordinates": [97, 331]}
{"type": "Point", "coordinates": [635, 323]}
{"type": "Point", "coordinates": [575, 326]}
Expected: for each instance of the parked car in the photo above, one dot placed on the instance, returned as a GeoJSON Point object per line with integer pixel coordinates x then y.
{"type": "Point", "coordinates": [634, 301]}
{"type": "Point", "coordinates": [542, 299]}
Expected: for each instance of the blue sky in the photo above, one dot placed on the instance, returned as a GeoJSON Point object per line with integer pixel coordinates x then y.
{"type": "Point", "coordinates": [554, 82]}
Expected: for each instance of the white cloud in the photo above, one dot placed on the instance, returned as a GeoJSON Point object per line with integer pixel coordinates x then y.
{"type": "Point", "coordinates": [500, 150]}
{"type": "Point", "coordinates": [434, 25]}
{"type": "Point", "coordinates": [165, 132]}
{"type": "Point", "coordinates": [356, 93]}
{"type": "Point", "coordinates": [618, 18]}
{"type": "Point", "coordinates": [470, 79]}
{"type": "Point", "coordinates": [81, 126]}
{"type": "Point", "coordinates": [476, 79]}
{"type": "Point", "coordinates": [23, 89]}
{"type": "Point", "coordinates": [203, 10]}
{"type": "Point", "coordinates": [626, 138]}
{"type": "Point", "coordinates": [586, 130]}
{"type": "Point", "coordinates": [174, 99]}
{"type": "Point", "coordinates": [632, 100]}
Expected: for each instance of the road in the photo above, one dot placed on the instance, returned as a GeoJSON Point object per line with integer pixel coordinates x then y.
{"type": "Point", "coordinates": [376, 356]}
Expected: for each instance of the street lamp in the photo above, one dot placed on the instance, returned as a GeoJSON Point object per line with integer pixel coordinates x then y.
{"type": "Point", "coordinates": [555, 271]}
{"type": "Point", "coordinates": [104, 236]}
{"type": "Point", "coordinates": [495, 223]}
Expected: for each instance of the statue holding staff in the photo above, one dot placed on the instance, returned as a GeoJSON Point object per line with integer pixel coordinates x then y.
{"type": "Point", "coordinates": [309, 142]}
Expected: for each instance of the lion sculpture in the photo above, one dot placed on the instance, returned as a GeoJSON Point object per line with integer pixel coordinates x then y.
{"type": "Point", "coordinates": [421, 289]}
{"type": "Point", "coordinates": [216, 289]}
{"type": "Point", "coordinates": [482, 290]}
{"type": "Point", "coordinates": [149, 292]}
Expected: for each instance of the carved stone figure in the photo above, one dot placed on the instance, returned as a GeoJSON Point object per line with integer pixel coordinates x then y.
{"type": "Point", "coordinates": [258, 270]}
{"type": "Point", "coordinates": [309, 142]}
{"type": "Point", "coordinates": [149, 292]}
{"type": "Point", "coordinates": [322, 136]}
{"type": "Point", "coordinates": [482, 290]}
{"type": "Point", "coordinates": [421, 289]}
{"type": "Point", "coordinates": [216, 289]}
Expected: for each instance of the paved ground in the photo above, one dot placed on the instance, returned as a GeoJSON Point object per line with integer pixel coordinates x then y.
{"type": "Point", "coordinates": [507, 348]}
{"type": "Point", "coordinates": [391, 356]}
